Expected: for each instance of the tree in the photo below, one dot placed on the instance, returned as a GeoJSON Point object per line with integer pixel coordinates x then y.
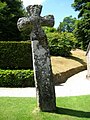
{"type": "Point", "coordinates": [82, 30]}
{"type": "Point", "coordinates": [82, 33]}
{"type": "Point", "coordinates": [83, 6]}
{"type": "Point", "coordinates": [10, 11]}
{"type": "Point", "coordinates": [61, 44]}
{"type": "Point", "coordinates": [67, 25]}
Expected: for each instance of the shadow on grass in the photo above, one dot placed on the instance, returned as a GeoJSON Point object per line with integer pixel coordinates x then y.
{"type": "Point", "coordinates": [71, 112]}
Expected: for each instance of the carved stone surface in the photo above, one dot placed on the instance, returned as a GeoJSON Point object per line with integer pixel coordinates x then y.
{"type": "Point", "coordinates": [41, 57]}
{"type": "Point", "coordinates": [88, 61]}
{"type": "Point", "coordinates": [88, 65]}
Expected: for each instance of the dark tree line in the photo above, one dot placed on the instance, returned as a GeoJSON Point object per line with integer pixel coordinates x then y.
{"type": "Point", "coordinates": [82, 29]}
{"type": "Point", "coordinates": [10, 11]}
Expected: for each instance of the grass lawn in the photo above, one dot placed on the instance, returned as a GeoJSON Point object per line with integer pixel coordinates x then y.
{"type": "Point", "coordinates": [68, 108]}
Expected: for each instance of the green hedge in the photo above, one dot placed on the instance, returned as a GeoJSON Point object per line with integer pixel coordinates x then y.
{"type": "Point", "coordinates": [60, 44]}
{"type": "Point", "coordinates": [15, 55]}
{"type": "Point", "coordinates": [16, 78]}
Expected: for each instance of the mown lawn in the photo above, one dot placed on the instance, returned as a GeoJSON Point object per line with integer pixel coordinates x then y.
{"type": "Point", "coordinates": [68, 108]}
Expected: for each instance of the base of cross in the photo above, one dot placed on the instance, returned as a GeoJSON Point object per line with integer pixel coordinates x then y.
{"type": "Point", "coordinates": [47, 101]}
{"type": "Point", "coordinates": [37, 109]}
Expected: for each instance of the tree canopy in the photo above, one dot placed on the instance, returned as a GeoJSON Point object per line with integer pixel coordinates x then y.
{"type": "Point", "coordinates": [68, 24]}
{"type": "Point", "coordinates": [10, 11]}
{"type": "Point", "coordinates": [83, 6]}
{"type": "Point", "coordinates": [82, 30]}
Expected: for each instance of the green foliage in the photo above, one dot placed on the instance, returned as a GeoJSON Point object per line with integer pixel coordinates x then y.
{"type": "Point", "coordinates": [16, 78]}
{"type": "Point", "coordinates": [68, 24]}
{"type": "Point", "coordinates": [82, 33]}
{"type": "Point", "coordinates": [83, 6]}
{"type": "Point", "coordinates": [2, 5]}
{"type": "Point", "coordinates": [10, 11]}
{"type": "Point", "coordinates": [82, 30]}
{"type": "Point", "coordinates": [15, 55]}
{"type": "Point", "coordinates": [49, 29]}
{"type": "Point", "coordinates": [61, 44]}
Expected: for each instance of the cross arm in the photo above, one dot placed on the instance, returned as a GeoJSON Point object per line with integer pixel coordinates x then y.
{"type": "Point", "coordinates": [47, 21]}
{"type": "Point", "coordinates": [24, 23]}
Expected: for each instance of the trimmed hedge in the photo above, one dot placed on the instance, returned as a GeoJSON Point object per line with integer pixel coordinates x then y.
{"type": "Point", "coordinates": [15, 55]}
{"type": "Point", "coordinates": [16, 78]}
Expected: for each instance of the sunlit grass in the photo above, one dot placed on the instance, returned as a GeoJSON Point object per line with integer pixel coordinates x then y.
{"type": "Point", "coordinates": [68, 108]}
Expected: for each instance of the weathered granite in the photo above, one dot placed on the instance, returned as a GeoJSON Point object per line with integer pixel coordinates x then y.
{"type": "Point", "coordinates": [41, 56]}
{"type": "Point", "coordinates": [88, 61]}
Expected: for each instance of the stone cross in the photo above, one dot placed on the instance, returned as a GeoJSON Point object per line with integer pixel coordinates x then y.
{"type": "Point", "coordinates": [88, 61]}
{"type": "Point", "coordinates": [41, 57]}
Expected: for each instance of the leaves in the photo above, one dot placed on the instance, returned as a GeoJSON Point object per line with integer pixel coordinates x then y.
{"type": "Point", "coordinates": [15, 55]}
{"type": "Point", "coordinates": [83, 6]}
{"type": "Point", "coordinates": [16, 78]}
{"type": "Point", "coordinates": [67, 25]}
{"type": "Point", "coordinates": [61, 44]}
{"type": "Point", "coordinates": [2, 5]}
{"type": "Point", "coordinates": [10, 11]}
{"type": "Point", "coordinates": [82, 30]}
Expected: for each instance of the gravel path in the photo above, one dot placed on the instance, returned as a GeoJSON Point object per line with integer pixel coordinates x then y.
{"type": "Point", "coordinates": [75, 86]}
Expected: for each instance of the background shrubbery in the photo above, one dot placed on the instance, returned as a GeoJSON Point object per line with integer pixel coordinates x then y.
{"type": "Point", "coordinates": [16, 78]}
{"type": "Point", "coordinates": [61, 43]}
{"type": "Point", "coordinates": [15, 55]}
